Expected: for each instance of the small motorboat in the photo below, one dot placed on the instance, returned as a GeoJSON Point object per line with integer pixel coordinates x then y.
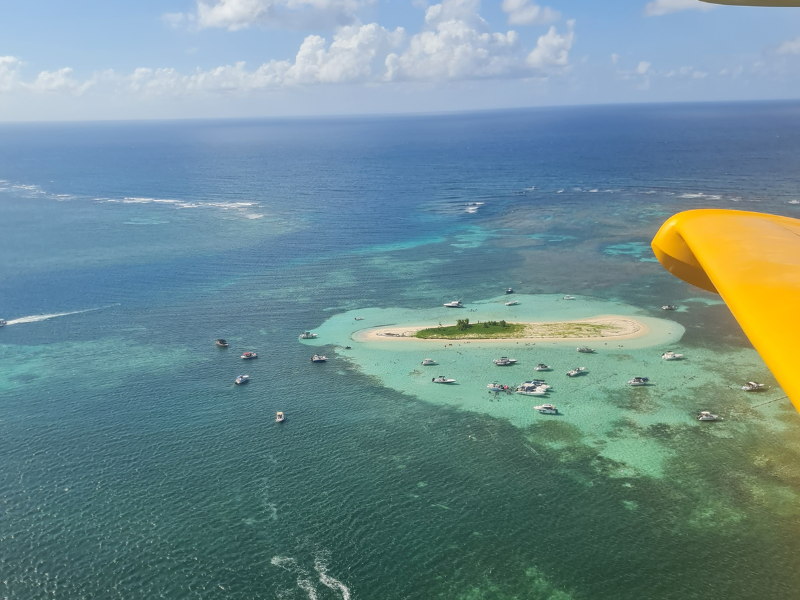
{"type": "Point", "coordinates": [546, 409]}
{"type": "Point", "coordinates": [707, 416]}
{"type": "Point", "coordinates": [221, 343]}
{"type": "Point", "coordinates": [429, 361]}
{"type": "Point", "coordinates": [569, 297]}
{"type": "Point", "coordinates": [319, 358]}
{"type": "Point", "coordinates": [3, 323]}
{"type": "Point", "coordinates": [359, 318]}
{"type": "Point", "coordinates": [307, 335]}
{"type": "Point", "coordinates": [504, 361]}
{"type": "Point", "coordinates": [752, 386]}
{"type": "Point", "coordinates": [496, 387]}
{"type": "Point", "coordinates": [249, 355]}
{"type": "Point", "coordinates": [509, 291]}
{"type": "Point", "coordinates": [670, 355]}
{"type": "Point", "coordinates": [542, 367]}
{"type": "Point", "coordinates": [585, 350]}
{"type": "Point", "coordinates": [576, 372]}
{"type": "Point", "coordinates": [669, 307]}
{"type": "Point", "coordinates": [454, 304]}
{"type": "Point", "coordinates": [639, 381]}
{"type": "Point", "coordinates": [442, 379]}
{"type": "Point", "coordinates": [241, 379]}
{"type": "Point", "coordinates": [347, 348]}
{"type": "Point", "coordinates": [512, 303]}
{"type": "Point", "coordinates": [279, 417]}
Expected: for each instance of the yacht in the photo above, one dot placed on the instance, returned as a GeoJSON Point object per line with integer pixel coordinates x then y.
{"type": "Point", "coordinates": [569, 297]}
{"type": "Point", "coordinates": [319, 358]}
{"type": "Point", "coordinates": [442, 379]}
{"type": "Point", "coordinates": [504, 361]}
{"type": "Point", "coordinates": [542, 367]}
{"type": "Point", "coordinates": [669, 307]}
{"type": "Point", "coordinates": [639, 381]}
{"type": "Point", "coordinates": [307, 335]}
{"type": "Point", "coordinates": [512, 303]}
{"type": "Point", "coordinates": [532, 388]}
{"type": "Point", "coordinates": [249, 355]}
{"type": "Point", "coordinates": [707, 416]}
{"type": "Point", "coordinates": [241, 379]}
{"type": "Point", "coordinates": [454, 304]}
{"type": "Point", "coordinates": [509, 291]}
{"type": "Point", "coordinates": [576, 372]}
{"type": "Point", "coordinates": [428, 362]}
{"type": "Point", "coordinates": [752, 386]}
{"type": "Point", "coordinates": [496, 387]}
{"type": "Point", "coordinates": [279, 417]}
{"type": "Point", "coordinates": [670, 355]}
{"type": "Point", "coordinates": [221, 343]}
{"type": "Point", "coordinates": [585, 350]}
{"type": "Point", "coordinates": [546, 409]}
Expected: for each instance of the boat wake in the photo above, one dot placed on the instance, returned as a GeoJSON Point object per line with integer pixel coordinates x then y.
{"type": "Point", "coordinates": [37, 318]}
{"type": "Point", "coordinates": [304, 577]}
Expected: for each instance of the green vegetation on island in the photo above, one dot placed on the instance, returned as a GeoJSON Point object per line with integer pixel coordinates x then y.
{"type": "Point", "coordinates": [463, 329]}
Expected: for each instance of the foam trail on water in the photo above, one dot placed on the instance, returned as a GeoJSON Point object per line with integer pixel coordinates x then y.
{"type": "Point", "coordinates": [329, 581]}
{"type": "Point", "coordinates": [303, 582]}
{"type": "Point", "coordinates": [37, 318]}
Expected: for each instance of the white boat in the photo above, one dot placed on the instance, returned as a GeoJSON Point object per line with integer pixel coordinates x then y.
{"type": "Point", "coordinates": [533, 388]}
{"type": "Point", "coordinates": [359, 318]}
{"type": "Point", "coordinates": [279, 417]}
{"type": "Point", "coordinates": [504, 361]}
{"type": "Point", "coordinates": [307, 335]}
{"type": "Point", "coordinates": [542, 367]}
{"type": "Point", "coordinates": [221, 343]}
{"type": "Point", "coordinates": [546, 409]}
{"type": "Point", "coordinates": [318, 358]}
{"type": "Point", "coordinates": [3, 322]}
{"type": "Point", "coordinates": [454, 304]}
{"type": "Point", "coordinates": [509, 291]}
{"type": "Point", "coordinates": [241, 379]}
{"type": "Point", "coordinates": [752, 386]}
{"type": "Point", "coordinates": [442, 379]}
{"type": "Point", "coordinates": [249, 355]}
{"type": "Point", "coordinates": [669, 307]}
{"type": "Point", "coordinates": [585, 350]}
{"type": "Point", "coordinates": [512, 303]}
{"type": "Point", "coordinates": [670, 355]}
{"type": "Point", "coordinates": [707, 416]}
{"type": "Point", "coordinates": [569, 297]}
{"type": "Point", "coordinates": [576, 372]}
{"type": "Point", "coordinates": [429, 361]}
{"type": "Point", "coordinates": [639, 381]}
{"type": "Point", "coordinates": [496, 387]}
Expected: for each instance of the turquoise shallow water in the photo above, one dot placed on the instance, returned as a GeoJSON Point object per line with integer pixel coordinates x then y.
{"type": "Point", "coordinates": [132, 467]}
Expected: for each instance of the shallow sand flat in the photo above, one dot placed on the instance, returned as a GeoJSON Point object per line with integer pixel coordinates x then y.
{"type": "Point", "coordinates": [622, 328]}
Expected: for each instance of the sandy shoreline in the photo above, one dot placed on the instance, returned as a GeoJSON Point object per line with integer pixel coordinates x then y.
{"type": "Point", "coordinates": [620, 328]}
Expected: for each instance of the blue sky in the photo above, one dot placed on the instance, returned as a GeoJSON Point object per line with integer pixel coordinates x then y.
{"type": "Point", "coordinates": [92, 59]}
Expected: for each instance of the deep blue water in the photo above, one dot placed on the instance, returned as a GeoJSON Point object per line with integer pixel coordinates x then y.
{"type": "Point", "coordinates": [132, 468]}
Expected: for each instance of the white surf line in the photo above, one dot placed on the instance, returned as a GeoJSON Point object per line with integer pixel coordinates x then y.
{"type": "Point", "coordinates": [37, 318]}
{"type": "Point", "coordinates": [329, 581]}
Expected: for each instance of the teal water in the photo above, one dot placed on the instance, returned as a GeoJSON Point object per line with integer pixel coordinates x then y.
{"type": "Point", "coordinates": [132, 467]}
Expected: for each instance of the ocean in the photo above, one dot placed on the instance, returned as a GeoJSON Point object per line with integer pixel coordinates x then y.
{"type": "Point", "coordinates": [132, 467]}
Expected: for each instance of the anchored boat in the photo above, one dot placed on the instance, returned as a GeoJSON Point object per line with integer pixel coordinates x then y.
{"type": "Point", "coordinates": [670, 355]}
{"type": "Point", "coordinates": [752, 386]}
{"type": "Point", "coordinates": [428, 362]}
{"type": "Point", "coordinates": [319, 358]}
{"type": "Point", "coordinates": [454, 304]}
{"type": "Point", "coordinates": [307, 335]}
{"type": "Point", "coordinates": [241, 379]}
{"type": "Point", "coordinates": [279, 417]}
{"type": "Point", "coordinates": [546, 409]}
{"type": "Point", "coordinates": [639, 381]}
{"type": "Point", "coordinates": [707, 416]}
{"type": "Point", "coordinates": [576, 372]}
{"type": "Point", "coordinates": [249, 355]}
{"type": "Point", "coordinates": [442, 379]}
{"type": "Point", "coordinates": [504, 361]}
{"type": "Point", "coordinates": [542, 367]}
{"type": "Point", "coordinates": [585, 350]}
{"type": "Point", "coordinates": [221, 343]}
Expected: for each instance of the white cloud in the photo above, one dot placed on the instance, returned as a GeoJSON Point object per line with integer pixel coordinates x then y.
{"type": "Point", "coordinates": [351, 57]}
{"type": "Point", "coordinates": [526, 12]}
{"type": "Point", "coordinates": [298, 14]}
{"type": "Point", "coordinates": [460, 45]}
{"type": "Point", "coordinates": [614, 59]}
{"type": "Point", "coordinates": [789, 47]}
{"type": "Point", "coordinates": [657, 8]}
{"type": "Point", "coordinates": [552, 49]}
{"type": "Point", "coordinates": [643, 68]}
{"type": "Point", "coordinates": [47, 81]}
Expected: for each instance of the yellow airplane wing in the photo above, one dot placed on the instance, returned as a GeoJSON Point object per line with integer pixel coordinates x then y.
{"type": "Point", "coordinates": [753, 261]}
